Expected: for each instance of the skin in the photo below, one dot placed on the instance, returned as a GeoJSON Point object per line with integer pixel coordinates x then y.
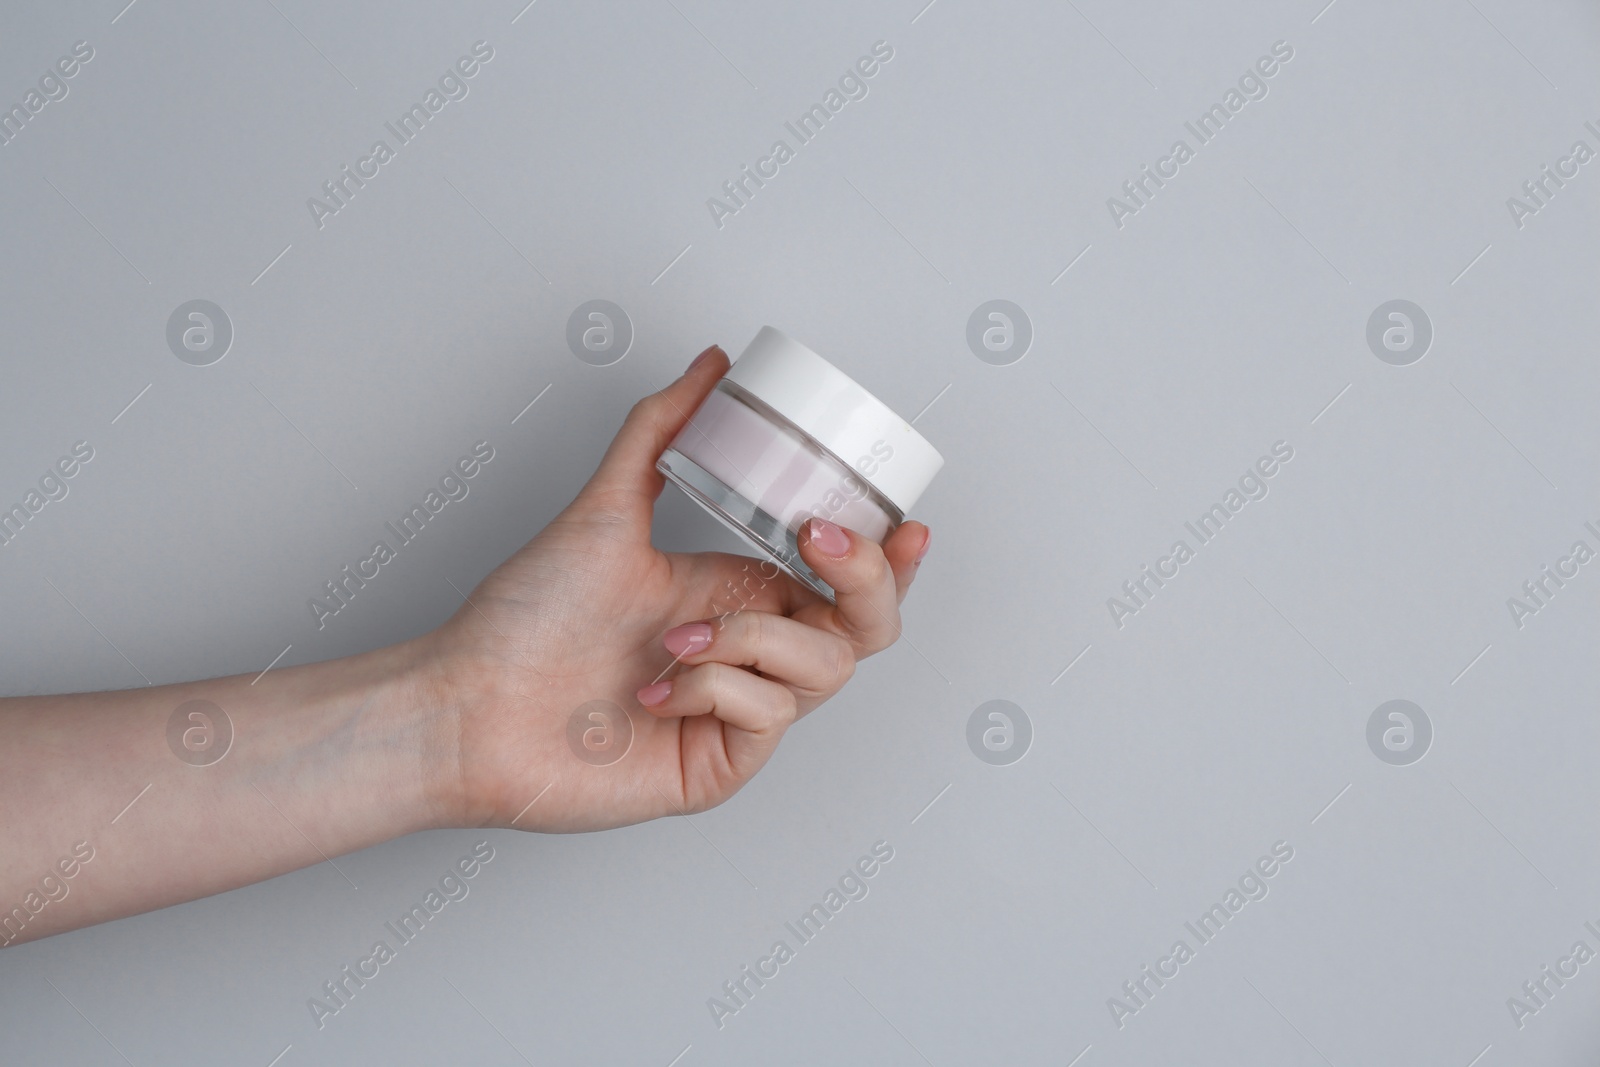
{"type": "Point", "coordinates": [712, 655]}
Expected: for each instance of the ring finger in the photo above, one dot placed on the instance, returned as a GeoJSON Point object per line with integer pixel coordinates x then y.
{"type": "Point", "coordinates": [815, 663]}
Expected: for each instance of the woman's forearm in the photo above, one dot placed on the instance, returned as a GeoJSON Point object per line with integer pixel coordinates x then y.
{"type": "Point", "coordinates": [108, 812]}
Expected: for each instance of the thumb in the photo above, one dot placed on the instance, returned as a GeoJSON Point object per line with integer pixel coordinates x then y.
{"type": "Point", "coordinates": [627, 483]}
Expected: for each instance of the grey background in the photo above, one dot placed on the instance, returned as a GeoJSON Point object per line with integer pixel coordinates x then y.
{"type": "Point", "coordinates": [1225, 316]}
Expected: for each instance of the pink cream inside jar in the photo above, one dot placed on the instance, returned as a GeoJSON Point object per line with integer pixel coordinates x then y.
{"type": "Point", "coordinates": [786, 437]}
{"type": "Point", "coordinates": [778, 471]}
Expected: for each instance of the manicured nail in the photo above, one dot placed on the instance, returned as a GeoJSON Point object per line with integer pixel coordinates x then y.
{"type": "Point", "coordinates": [829, 539]}
{"type": "Point", "coordinates": [702, 357]}
{"type": "Point", "coordinates": [687, 639]}
{"type": "Point", "coordinates": [651, 695]}
{"type": "Point", "coordinates": [927, 541]}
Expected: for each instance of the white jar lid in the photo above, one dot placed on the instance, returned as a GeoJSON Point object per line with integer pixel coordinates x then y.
{"type": "Point", "coordinates": [840, 415]}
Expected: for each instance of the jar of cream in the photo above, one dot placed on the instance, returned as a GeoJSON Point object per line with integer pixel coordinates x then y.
{"type": "Point", "coordinates": [785, 437]}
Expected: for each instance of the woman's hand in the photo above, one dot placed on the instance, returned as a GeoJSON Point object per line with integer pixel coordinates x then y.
{"type": "Point", "coordinates": [709, 657]}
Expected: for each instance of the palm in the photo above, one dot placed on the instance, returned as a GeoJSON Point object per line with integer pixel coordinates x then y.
{"type": "Point", "coordinates": [577, 616]}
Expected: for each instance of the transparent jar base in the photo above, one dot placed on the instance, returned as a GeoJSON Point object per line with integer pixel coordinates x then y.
{"type": "Point", "coordinates": [759, 529]}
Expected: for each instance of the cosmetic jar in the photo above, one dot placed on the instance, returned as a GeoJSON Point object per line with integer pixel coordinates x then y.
{"type": "Point", "coordinates": [785, 437]}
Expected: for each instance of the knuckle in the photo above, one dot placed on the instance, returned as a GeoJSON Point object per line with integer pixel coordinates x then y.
{"type": "Point", "coordinates": [783, 709]}
{"type": "Point", "coordinates": [869, 567]}
{"type": "Point", "coordinates": [756, 631]}
{"type": "Point", "coordinates": [649, 409]}
{"type": "Point", "coordinates": [886, 633]}
{"type": "Point", "coordinates": [873, 634]}
{"type": "Point", "coordinates": [715, 679]}
{"type": "Point", "coordinates": [842, 664]}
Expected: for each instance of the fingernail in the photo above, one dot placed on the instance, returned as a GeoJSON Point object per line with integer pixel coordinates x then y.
{"type": "Point", "coordinates": [651, 695]}
{"type": "Point", "coordinates": [702, 357]}
{"type": "Point", "coordinates": [829, 539]}
{"type": "Point", "coordinates": [927, 541]}
{"type": "Point", "coordinates": [687, 639]}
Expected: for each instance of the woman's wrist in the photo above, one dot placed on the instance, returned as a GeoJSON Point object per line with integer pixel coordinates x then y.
{"type": "Point", "coordinates": [455, 683]}
{"type": "Point", "coordinates": [369, 741]}
{"type": "Point", "coordinates": [418, 740]}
